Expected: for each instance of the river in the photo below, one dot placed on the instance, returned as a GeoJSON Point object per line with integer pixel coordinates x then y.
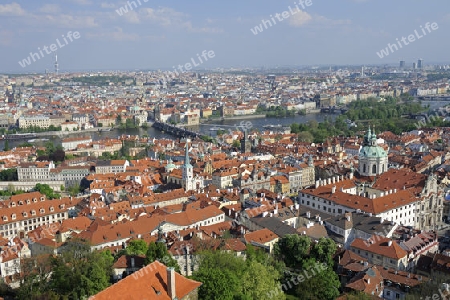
{"type": "Point", "coordinates": [205, 128]}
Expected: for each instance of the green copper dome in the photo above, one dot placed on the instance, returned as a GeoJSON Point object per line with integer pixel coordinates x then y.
{"type": "Point", "coordinates": [370, 147]}
{"type": "Point", "coordinates": [372, 152]}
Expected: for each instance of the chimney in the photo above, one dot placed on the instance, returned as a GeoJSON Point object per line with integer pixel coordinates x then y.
{"type": "Point", "coordinates": [171, 283]}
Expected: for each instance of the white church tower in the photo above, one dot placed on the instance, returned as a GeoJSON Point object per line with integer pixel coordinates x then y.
{"type": "Point", "coordinates": [188, 172]}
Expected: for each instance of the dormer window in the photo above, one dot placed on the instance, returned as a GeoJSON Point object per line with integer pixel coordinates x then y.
{"type": "Point", "coordinates": [28, 201]}
{"type": "Point", "coordinates": [52, 209]}
{"type": "Point", "coordinates": [61, 206]}
{"type": "Point", "coordinates": [20, 202]}
{"type": "Point", "coordinates": [34, 200]}
{"type": "Point", "coordinates": [42, 210]}
{"type": "Point", "coordinates": [5, 218]}
{"type": "Point", "coordinates": [13, 216]}
{"type": "Point", "coordinates": [25, 214]}
{"type": "Point", "coordinates": [13, 204]}
{"type": "Point", "coordinates": [42, 198]}
{"type": "Point", "coordinates": [33, 212]}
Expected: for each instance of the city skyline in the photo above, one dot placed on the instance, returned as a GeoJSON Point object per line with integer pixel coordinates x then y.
{"type": "Point", "coordinates": [143, 34]}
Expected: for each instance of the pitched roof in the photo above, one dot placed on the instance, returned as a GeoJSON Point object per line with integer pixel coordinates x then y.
{"type": "Point", "coordinates": [380, 245]}
{"type": "Point", "coordinates": [261, 236]}
{"type": "Point", "coordinates": [149, 282]}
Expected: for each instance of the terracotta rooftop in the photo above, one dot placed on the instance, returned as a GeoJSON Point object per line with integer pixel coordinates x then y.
{"type": "Point", "coordinates": [150, 282]}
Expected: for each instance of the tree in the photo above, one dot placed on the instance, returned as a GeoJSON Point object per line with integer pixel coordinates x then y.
{"type": "Point", "coordinates": [6, 147]}
{"type": "Point", "coordinates": [323, 251]}
{"type": "Point", "coordinates": [293, 250]}
{"type": "Point", "coordinates": [322, 286]}
{"type": "Point", "coordinates": [74, 190]}
{"type": "Point", "coordinates": [313, 259]}
{"type": "Point", "coordinates": [158, 251]}
{"type": "Point", "coordinates": [58, 155]}
{"type": "Point", "coordinates": [226, 276]}
{"type": "Point", "coordinates": [236, 144]}
{"type": "Point", "coordinates": [258, 281]}
{"type": "Point", "coordinates": [35, 271]}
{"type": "Point", "coordinates": [46, 190]}
{"type": "Point", "coordinates": [137, 247]}
{"type": "Point", "coordinates": [217, 284]}
{"type": "Point", "coordinates": [90, 271]}
{"type": "Point", "coordinates": [295, 128]}
{"type": "Point", "coordinates": [219, 272]}
{"type": "Point", "coordinates": [9, 175]}
{"type": "Point", "coordinates": [305, 136]}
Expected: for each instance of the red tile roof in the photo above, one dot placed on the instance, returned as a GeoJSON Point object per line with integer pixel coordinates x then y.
{"type": "Point", "coordinates": [149, 282]}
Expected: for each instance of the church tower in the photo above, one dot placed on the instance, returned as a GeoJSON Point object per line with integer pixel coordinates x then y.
{"type": "Point", "coordinates": [246, 146]}
{"type": "Point", "coordinates": [373, 159]}
{"type": "Point", "coordinates": [188, 172]}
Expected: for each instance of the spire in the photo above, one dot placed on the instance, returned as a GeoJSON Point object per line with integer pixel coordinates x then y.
{"type": "Point", "coordinates": [186, 157]}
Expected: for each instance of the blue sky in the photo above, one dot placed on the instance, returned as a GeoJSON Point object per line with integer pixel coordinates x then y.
{"type": "Point", "coordinates": [161, 34]}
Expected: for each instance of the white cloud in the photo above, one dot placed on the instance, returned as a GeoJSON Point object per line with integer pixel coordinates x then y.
{"type": "Point", "coordinates": [68, 21]}
{"type": "Point", "coordinates": [50, 8]}
{"type": "Point", "coordinates": [170, 18]}
{"type": "Point", "coordinates": [299, 18]}
{"type": "Point", "coordinates": [117, 35]}
{"type": "Point", "coordinates": [13, 9]}
{"type": "Point", "coordinates": [164, 16]}
{"type": "Point", "coordinates": [107, 5]}
{"type": "Point", "coordinates": [132, 17]}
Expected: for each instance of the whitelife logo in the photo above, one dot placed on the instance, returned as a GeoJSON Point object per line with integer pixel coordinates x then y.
{"type": "Point", "coordinates": [411, 38]}
{"type": "Point", "coordinates": [53, 47]}
{"type": "Point", "coordinates": [265, 24]}
{"type": "Point", "coordinates": [124, 9]}
{"type": "Point", "coordinates": [169, 75]}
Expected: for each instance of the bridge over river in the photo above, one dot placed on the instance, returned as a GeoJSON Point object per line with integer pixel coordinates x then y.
{"type": "Point", "coordinates": [181, 132]}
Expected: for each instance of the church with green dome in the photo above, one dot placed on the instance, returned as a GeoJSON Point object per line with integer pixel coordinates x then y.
{"type": "Point", "coordinates": [373, 159]}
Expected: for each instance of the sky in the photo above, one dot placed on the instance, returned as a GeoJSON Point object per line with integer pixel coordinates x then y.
{"type": "Point", "coordinates": [153, 34]}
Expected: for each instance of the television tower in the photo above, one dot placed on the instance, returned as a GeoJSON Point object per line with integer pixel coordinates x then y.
{"type": "Point", "coordinates": [56, 64]}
